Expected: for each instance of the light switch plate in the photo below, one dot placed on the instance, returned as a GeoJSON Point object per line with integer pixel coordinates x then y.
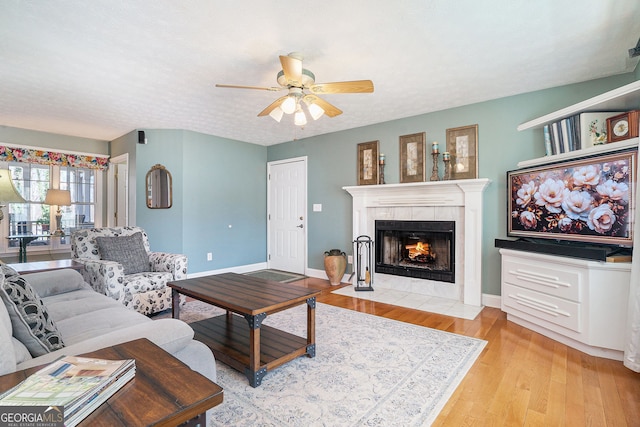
{"type": "Point", "coordinates": [317, 207]}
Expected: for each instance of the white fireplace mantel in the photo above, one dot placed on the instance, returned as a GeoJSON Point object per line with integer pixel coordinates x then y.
{"type": "Point", "coordinates": [437, 200]}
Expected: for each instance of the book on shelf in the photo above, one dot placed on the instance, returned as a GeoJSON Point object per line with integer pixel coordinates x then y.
{"type": "Point", "coordinates": [576, 132]}
{"type": "Point", "coordinates": [79, 384]}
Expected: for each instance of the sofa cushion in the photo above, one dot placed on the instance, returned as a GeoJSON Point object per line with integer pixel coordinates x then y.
{"type": "Point", "coordinates": [85, 314]}
{"type": "Point", "coordinates": [21, 352]}
{"type": "Point", "coordinates": [172, 335]}
{"type": "Point", "coordinates": [7, 351]}
{"type": "Point", "coordinates": [30, 320]}
{"type": "Point", "coordinates": [66, 280]}
{"type": "Point", "coordinates": [126, 250]}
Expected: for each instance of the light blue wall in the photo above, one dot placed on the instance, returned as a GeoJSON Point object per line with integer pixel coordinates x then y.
{"type": "Point", "coordinates": [225, 202]}
{"type": "Point", "coordinates": [219, 198]}
{"type": "Point", "coordinates": [164, 226]}
{"type": "Point", "coordinates": [332, 162]}
{"type": "Point", "coordinates": [33, 138]}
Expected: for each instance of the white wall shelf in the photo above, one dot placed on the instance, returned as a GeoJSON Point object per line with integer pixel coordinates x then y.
{"type": "Point", "coordinates": [623, 98]}
{"type": "Point", "coordinates": [596, 149]}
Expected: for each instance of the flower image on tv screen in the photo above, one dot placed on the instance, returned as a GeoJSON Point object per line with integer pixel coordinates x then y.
{"type": "Point", "coordinates": [587, 200]}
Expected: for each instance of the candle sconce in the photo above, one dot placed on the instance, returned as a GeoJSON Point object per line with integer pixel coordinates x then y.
{"type": "Point", "coordinates": [434, 173]}
{"type": "Point", "coordinates": [446, 158]}
{"type": "Point", "coordinates": [434, 153]}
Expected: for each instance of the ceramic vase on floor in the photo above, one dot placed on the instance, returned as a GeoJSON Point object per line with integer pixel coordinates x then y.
{"type": "Point", "coordinates": [335, 264]}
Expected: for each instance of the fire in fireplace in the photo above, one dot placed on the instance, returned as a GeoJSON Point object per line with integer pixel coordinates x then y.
{"type": "Point", "coordinates": [420, 249]}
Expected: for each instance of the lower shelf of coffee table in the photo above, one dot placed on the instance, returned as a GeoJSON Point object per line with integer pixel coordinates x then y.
{"type": "Point", "coordinates": [228, 338]}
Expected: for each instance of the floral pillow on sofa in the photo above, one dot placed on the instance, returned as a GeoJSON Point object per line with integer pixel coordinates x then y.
{"type": "Point", "coordinates": [30, 320]}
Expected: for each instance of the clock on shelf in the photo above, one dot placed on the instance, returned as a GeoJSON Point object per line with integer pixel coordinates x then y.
{"type": "Point", "coordinates": [623, 126]}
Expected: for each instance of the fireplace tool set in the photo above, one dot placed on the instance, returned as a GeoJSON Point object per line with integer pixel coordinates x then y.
{"type": "Point", "coordinates": [363, 250]}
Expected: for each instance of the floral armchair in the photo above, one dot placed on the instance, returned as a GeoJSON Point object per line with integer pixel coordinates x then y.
{"type": "Point", "coordinates": [118, 263]}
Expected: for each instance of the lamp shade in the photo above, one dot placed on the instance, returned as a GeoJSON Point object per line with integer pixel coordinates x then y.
{"type": "Point", "coordinates": [299, 118]}
{"type": "Point", "coordinates": [316, 111]}
{"type": "Point", "coordinates": [289, 105]}
{"type": "Point", "coordinates": [276, 114]}
{"type": "Point", "coordinates": [58, 197]}
{"type": "Point", "coordinates": [8, 193]}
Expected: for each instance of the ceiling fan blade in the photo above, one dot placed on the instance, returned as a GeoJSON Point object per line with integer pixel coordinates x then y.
{"type": "Point", "coordinates": [251, 87]}
{"type": "Point", "coordinates": [329, 109]}
{"type": "Point", "coordinates": [356, 86]}
{"type": "Point", "coordinates": [292, 68]}
{"type": "Point", "coordinates": [275, 104]}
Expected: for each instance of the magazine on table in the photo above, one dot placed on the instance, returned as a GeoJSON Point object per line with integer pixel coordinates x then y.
{"type": "Point", "coordinates": [77, 383]}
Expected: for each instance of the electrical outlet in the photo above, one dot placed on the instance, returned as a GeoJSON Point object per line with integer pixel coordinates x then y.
{"type": "Point", "coordinates": [350, 259]}
{"type": "Point", "coordinates": [209, 256]}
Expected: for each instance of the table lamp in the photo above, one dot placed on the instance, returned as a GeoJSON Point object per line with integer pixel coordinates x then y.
{"type": "Point", "coordinates": [59, 198]}
{"type": "Point", "coordinates": [8, 193]}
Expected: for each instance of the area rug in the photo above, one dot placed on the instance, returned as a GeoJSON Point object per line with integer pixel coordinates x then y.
{"type": "Point", "coordinates": [276, 275]}
{"type": "Point", "coordinates": [368, 371]}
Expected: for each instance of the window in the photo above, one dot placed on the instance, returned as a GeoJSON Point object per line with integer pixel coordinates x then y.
{"type": "Point", "coordinates": [34, 217]}
{"type": "Point", "coordinates": [82, 185]}
{"type": "Point", "coordinates": [32, 182]}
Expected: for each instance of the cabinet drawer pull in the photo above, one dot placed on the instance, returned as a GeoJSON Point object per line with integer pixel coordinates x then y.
{"type": "Point", "coordinates": [540, 279]}
{"type": "Point", "coordinates": [543, 306]}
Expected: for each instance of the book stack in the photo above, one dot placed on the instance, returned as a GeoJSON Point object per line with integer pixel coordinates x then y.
{"type": "Point", "coordinates": [80, 384]}
{"type": "Point", "coordinates": [576, 132]}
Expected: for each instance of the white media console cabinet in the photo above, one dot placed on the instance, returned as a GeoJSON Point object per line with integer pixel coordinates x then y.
{"type": "Point", "coordinates": [580, 303]}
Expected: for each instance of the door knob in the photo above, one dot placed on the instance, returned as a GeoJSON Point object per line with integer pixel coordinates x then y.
{"type": "Point", "coordinates": [300, 226]}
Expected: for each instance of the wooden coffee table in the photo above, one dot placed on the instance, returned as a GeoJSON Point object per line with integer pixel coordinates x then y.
{"type": "Point", "coordinates": [164, 391]}
{"type": "Point", "coordinates": [242, 342]}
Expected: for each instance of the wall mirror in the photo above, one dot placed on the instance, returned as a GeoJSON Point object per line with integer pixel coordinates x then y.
{"type": "Point", "coordinates": [159, 188]}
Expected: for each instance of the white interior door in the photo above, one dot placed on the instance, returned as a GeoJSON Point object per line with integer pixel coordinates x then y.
{"type": "Point", "coordinates": [287, 215]}
{"type": "Point", "coordinates": [118, 194]}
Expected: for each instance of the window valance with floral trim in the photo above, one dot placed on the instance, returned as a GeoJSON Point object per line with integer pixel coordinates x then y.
{"type": "Point", "coordinates": [44, 157]}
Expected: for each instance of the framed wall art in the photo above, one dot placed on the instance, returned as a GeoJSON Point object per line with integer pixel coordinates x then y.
{"type": "Point", "coordinates": [368, 162]}
{"type": "Point", "coordinates": [462, 144]}
{"type": "Point", "coordinates": [412, 157]}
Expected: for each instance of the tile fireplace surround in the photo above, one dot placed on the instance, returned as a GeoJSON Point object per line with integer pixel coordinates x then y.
{"type": "Point", "coordinates": [459, 201]}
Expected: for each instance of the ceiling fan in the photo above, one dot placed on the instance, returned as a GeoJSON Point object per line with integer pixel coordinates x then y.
{"type": "Point", "coordinates": [302, 89]}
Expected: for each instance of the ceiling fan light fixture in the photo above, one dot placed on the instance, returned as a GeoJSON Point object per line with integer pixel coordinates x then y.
{"type": "Point", "coordinates": [315, 110]}
{"type": "Point", "coordinates": [276, 114]}
{"type": "Point", "coordinates": [289, 105]}
{"type": "Point", "coordinates": [300, 119]}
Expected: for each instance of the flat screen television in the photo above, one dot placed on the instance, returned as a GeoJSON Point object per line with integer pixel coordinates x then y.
{"type": "Point", "coordinates": [590, 200]}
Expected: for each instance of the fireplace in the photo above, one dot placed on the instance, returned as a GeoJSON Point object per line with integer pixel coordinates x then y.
{"type": "Point", "coordinates": [459, 201]}
{"type": "Point", "coordinates": [419, 249]}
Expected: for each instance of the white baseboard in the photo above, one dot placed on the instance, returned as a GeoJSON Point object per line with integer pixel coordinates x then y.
{"type": "Point", "coordinates": [494, 301]}
{"type": "Point", "coordinates": [238, 269]}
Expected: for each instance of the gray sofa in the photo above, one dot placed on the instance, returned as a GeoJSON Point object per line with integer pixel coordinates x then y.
{"type": "Point", "coordinates": [83, 320]}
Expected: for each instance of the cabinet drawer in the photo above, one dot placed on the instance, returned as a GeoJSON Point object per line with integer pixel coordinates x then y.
{"type": "Point", "coordinates": [562, 282]}
{"type": "Point", "coordinates": [546, 307]}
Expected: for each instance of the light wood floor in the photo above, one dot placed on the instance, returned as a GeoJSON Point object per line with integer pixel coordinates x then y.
{"type": "Point", "coordinates": [521, 378]}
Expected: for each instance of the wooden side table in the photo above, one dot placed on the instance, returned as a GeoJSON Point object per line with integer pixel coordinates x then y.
{"type": "Point", "coordinates": [164, 391]}
{"type": "Point", "coordinates": [39, 266]}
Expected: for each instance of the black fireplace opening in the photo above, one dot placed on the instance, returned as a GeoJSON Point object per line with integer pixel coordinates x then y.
{"type": "Point", "coordinates": [419, 249]}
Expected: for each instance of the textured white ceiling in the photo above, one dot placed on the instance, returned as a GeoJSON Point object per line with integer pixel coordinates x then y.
{"type": "Point", "coordinates": [102, 68]}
